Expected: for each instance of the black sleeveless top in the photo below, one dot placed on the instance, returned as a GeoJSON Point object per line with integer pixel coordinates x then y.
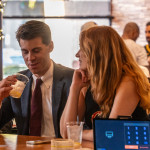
{"type": "Point", "coordinates": [92, 108]}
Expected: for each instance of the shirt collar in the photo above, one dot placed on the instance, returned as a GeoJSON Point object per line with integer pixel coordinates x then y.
{"type": "Point", "coordinates": [47, 78]}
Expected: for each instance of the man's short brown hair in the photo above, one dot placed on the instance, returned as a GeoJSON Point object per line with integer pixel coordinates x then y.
{"type": "Point", "coordinates": [32, 29]}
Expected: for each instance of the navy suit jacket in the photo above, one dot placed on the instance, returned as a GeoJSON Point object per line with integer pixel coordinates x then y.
{"type": "Point", "coordinates": [19, 108]}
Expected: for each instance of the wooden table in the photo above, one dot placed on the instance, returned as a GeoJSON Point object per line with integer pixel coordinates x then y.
{"type": "Point", "coordinates": [18, 142]}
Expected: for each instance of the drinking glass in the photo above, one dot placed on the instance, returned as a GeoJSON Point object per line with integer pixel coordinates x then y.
{"type": "Point", "coordinates": [19, 86]}
{"type": "Point", "coordinates": [74, 132]}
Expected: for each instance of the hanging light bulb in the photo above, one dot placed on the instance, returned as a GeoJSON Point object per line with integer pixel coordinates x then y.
{"type": "Point", "coordinates": [1, 35]}
{"type": "Point", "coordinates": [2, 4]}
{"type": "Point", "coordinates": [32, 4]}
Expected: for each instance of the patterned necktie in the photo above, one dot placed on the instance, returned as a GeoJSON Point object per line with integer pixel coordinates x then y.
{"type": "Point", "coordinates": [36, 110]}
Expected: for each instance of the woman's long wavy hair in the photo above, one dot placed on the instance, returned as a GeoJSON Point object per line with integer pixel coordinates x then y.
{"type": "Point", "coordinates": [109, 60]}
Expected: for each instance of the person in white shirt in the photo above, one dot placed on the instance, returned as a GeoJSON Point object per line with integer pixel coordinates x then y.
{"type": "Point", "coordinates": [34, 38]}
{"type": "Point", "coordinates": [130, 34]}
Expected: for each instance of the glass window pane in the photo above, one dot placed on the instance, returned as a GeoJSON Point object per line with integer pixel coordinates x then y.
{"type": "Point", "coordinates": [57, 8]}
{"type": "Point", "coordinates": [65, 35]}
{"type": "Point", "coordinates": [65, 31]}
{"type": "Point", "coordinates": [12, 58]}
{"type": "Point", "coordinates": [24, 8]}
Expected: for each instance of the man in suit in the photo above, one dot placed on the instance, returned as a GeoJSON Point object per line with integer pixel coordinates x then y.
{"type": "Point", "coordinates": [34, 38]}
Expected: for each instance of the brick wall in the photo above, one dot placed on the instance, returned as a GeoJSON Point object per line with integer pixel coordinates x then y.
{"type": "Point", "coordinates": [125, 11]}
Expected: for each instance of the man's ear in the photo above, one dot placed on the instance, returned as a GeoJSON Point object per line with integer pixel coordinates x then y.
{"type": "Point", "coordinates": [51, 46]}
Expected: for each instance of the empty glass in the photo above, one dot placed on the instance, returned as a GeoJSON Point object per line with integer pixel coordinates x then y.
{"type": "Point", "coordinates": [74, 132]}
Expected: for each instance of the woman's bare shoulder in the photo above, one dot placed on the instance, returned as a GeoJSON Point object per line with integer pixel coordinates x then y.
{"type": "Point", "coordinates": [127, 80]}
{"type": "Point", "coordinates": [126, 98]}
{"type": "Point", "coordinates": [127, 84]}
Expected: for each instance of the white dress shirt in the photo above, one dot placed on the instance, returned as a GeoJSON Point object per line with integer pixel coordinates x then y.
{"type": "Point", "coordinates": [46, 88]}
{"type": "Point", "coordinates": [138, 52]}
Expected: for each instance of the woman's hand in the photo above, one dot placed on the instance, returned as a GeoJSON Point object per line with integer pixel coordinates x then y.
{"type": "Point", "coordinates": [5, 86]}
{"type": "Point", "coordinates": [80, 78]}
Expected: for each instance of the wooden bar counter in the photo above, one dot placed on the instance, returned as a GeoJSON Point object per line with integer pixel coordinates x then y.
{"type": "Point", "coordinates": [18, 142]}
